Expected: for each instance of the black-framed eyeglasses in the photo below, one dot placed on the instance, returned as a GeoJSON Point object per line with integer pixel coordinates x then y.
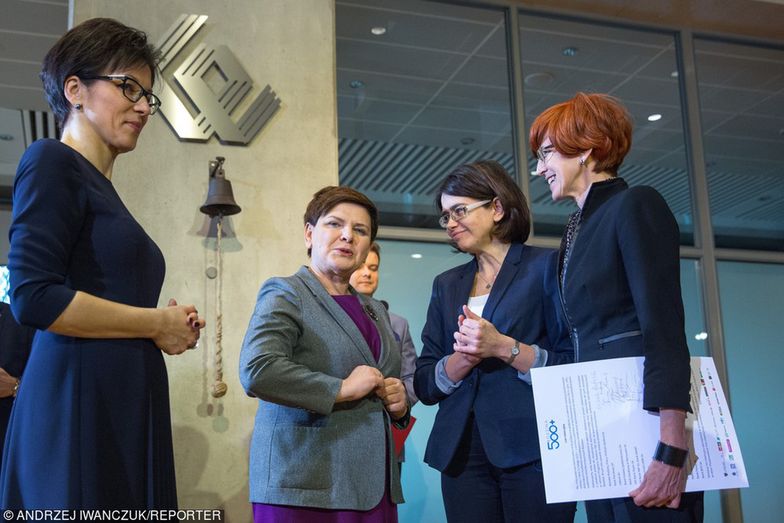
{"type": "Point", "coordinates": [459, 212]}
{"type": "Point", "coordinates": [131, 89]}
{"type": "Point", "coordinates": [545, 152]}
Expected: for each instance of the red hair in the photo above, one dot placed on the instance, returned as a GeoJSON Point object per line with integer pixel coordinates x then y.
{"type": "Point", "coordinates": [588, 121]}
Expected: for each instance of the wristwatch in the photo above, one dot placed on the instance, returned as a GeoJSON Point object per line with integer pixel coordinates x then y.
{"type": "Point", "coordinates": [515, 352]}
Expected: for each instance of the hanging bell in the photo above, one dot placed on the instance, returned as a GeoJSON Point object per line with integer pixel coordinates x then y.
{"type": "Point", "coordinates": [220, 197]}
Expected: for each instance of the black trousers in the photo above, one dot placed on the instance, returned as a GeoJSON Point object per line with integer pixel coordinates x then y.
{"type": "Point", "coordinates": [623, 510]}
{"type": "Point", "coordinates": [476, 491]}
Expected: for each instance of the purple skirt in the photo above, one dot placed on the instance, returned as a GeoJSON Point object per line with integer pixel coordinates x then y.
{"type": "Point", "coordinates": [384, 512]}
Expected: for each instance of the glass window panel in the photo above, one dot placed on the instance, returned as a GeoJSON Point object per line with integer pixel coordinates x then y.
{"type": "Point", "coordinates": [4, 284]}
{"type": "Point", "coordinates": [428, 94]}
{"type": "Point", "coordinates": [691, 292]}
{"type": "Point", "coordinates": [561, 57]}
{"type": "Point", "coordinates": [741, 90]}
{"type": "Point", "coordinates": [752, 309]}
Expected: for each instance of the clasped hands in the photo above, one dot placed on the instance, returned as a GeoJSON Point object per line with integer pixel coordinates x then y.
{"type": "Point", "coordinates": [477, 338]}
{"type": "Point", "coordinates": [179, 328]}
{"type": "Point", "coordinates": [365, 380]}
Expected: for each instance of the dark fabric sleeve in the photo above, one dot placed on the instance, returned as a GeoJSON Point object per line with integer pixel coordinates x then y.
{"type": "Point", "coordinates": [432, 351]}
{"type": "Point", "coordinates": [267, 370]}
{"type": "Point", "coordinates": [555, 320]}
{"type": "Point", "coordinates": [48, 215]}
{"type": "Point", "coordinates": [649, 242]}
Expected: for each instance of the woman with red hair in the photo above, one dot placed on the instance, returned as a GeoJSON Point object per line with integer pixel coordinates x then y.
{"type": "Point", "coordinates": [619, 277]}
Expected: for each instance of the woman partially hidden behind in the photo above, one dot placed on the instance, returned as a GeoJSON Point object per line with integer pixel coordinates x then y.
{"type": "Point", "coordinates": [619, 276]}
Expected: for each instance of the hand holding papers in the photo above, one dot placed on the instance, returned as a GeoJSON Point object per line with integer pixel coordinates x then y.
{"type": "Point", "coordinates": [597, 441]}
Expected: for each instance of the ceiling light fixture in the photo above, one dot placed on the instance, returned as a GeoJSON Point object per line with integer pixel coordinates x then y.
{"type": "Point", "coordinates": [356, 84]}
{"type": "Point", "coordinates": [674, 74]}
{"type": "Point", "coordinates": [569, 51]}
{"type": "Point", "coordinates": [701, 336]}
{"type": "Point", "coordinates": [467, 140]}
{"type": "Point", "coordinates": [416, 256]}
{"type": "Point", "coordinates": [378, 30]}
{"type": "Point", "coordinates": [540, 79]}
{"type": "Point", "coordinates": [654, 117]}
{"type": "Point", "coordinates": [6, 137]}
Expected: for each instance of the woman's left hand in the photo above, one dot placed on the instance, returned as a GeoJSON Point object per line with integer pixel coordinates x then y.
{"type": "Point", "coordinates": [661, 486]}
{"type": "Point", "coordinates": [394, 396]}
{"type": "Point", "coordinates": [479, 338]}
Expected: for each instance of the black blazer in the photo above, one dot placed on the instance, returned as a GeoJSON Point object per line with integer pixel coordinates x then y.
{"type": "Point", "coordinates": [622, 291]}
{"type": "Point", "coordinates": [15, 343]}
{"type": "Point", "coordinates": [523, 304]}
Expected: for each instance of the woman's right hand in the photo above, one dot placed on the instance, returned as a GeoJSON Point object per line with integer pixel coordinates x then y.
{"type": "Point", "coordinates": [362, 381]}
{"type": "Point", "coordinates": [178, 329]}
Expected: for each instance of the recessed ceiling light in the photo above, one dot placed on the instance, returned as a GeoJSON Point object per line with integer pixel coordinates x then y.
{"type": "Point", "coordinates": [540, 79]}
{"type": "Point", "coordinates": [356, 84]}
{"type": "Point", "coordinates": [416, 256]}
{"type": "Point", "coordinates": [378, 30]}
{"type": "Point", "coordinates": [6, 137]}
{"type": "Point", "coordinates": [674, 74]}
{"type": "Point", "coordinates": [701, 336]}
{"type": "Point", "coordinates": [569, 51]}
{"type": "Point", "coordinates": [654, 117]}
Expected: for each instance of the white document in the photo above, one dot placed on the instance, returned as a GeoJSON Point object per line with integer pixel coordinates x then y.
{"type": "Point", "coordinates": [597, 441]}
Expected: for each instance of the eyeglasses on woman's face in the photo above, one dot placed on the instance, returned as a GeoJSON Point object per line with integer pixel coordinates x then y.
{"type": "Point", "coordinates": [131, 89]}
{"type": "Point", "coordinates": [545, 152]}
{"type": "Point", "coordinates": [458, 212]}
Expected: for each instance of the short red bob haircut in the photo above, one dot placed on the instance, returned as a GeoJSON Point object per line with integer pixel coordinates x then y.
{"type": "Point", "coordinates": [588, 121]}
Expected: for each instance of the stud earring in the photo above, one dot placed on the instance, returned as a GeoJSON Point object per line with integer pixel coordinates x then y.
{"type": "Point", "coordinates": [78, 107]}
{"type": "Point", "coordinates": [582, 162]}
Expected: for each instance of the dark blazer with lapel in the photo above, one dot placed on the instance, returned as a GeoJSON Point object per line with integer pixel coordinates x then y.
{"type": "Point", "coordinates": [622, 291]}
{"type": "Point", "coordinates": [522, 304]}
{"type": "Point", "coordinates": [306, 450]}
{"type": "Point", "coordinates": [15, 343]}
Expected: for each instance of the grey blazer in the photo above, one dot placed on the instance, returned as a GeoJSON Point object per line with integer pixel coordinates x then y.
{"type": "Point", "coordinates": [306, 450]}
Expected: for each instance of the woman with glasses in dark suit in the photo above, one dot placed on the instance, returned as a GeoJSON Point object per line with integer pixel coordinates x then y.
{"type": "Point", "coordinates": [489, 322]}
{"type": "Point", "coordinates": [90, 426]}
{"type": "Point", "coordinates": [619, 274]}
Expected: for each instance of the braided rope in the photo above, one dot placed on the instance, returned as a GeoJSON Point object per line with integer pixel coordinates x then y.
{"type": "Point", "coordinates": [219, 388]}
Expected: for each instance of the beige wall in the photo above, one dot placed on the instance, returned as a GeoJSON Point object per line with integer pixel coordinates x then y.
{"type": "Point", "coordinates": [290, 45]}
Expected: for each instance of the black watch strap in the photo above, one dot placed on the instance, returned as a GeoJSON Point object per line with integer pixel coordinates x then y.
{"type": "Point", "coordinates": [669, 455]}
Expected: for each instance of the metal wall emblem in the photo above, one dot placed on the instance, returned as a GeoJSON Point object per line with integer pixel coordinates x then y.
{"type": "Point", "coordinates": [214, 84]}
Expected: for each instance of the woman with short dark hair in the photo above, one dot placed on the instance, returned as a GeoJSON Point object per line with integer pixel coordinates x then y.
{"type": "Point", "coordinates": [489, 322]}
{"type": "Point", "coordinates": [91, 426]}
{"type": "Point", "coordinates": [324, 363]}
{"type": "Point", "coordinates": [619, 274]}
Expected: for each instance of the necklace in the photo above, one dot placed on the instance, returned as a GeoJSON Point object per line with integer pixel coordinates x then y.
{"type": "Point", "coordinates": [488, 284]}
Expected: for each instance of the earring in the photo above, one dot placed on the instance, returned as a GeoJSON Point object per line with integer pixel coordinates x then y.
{"type": "Point", "coordinates": [78, 107]}
{"type": "Point", "coordinates": [582, 162]}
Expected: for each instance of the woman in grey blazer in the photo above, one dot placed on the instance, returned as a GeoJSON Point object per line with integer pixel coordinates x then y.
{"type": "Point", "coordinates": [322, 361]}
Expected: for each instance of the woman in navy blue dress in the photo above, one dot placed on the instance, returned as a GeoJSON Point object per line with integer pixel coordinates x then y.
{"type": "Point", "coordinates": [91, 425]}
